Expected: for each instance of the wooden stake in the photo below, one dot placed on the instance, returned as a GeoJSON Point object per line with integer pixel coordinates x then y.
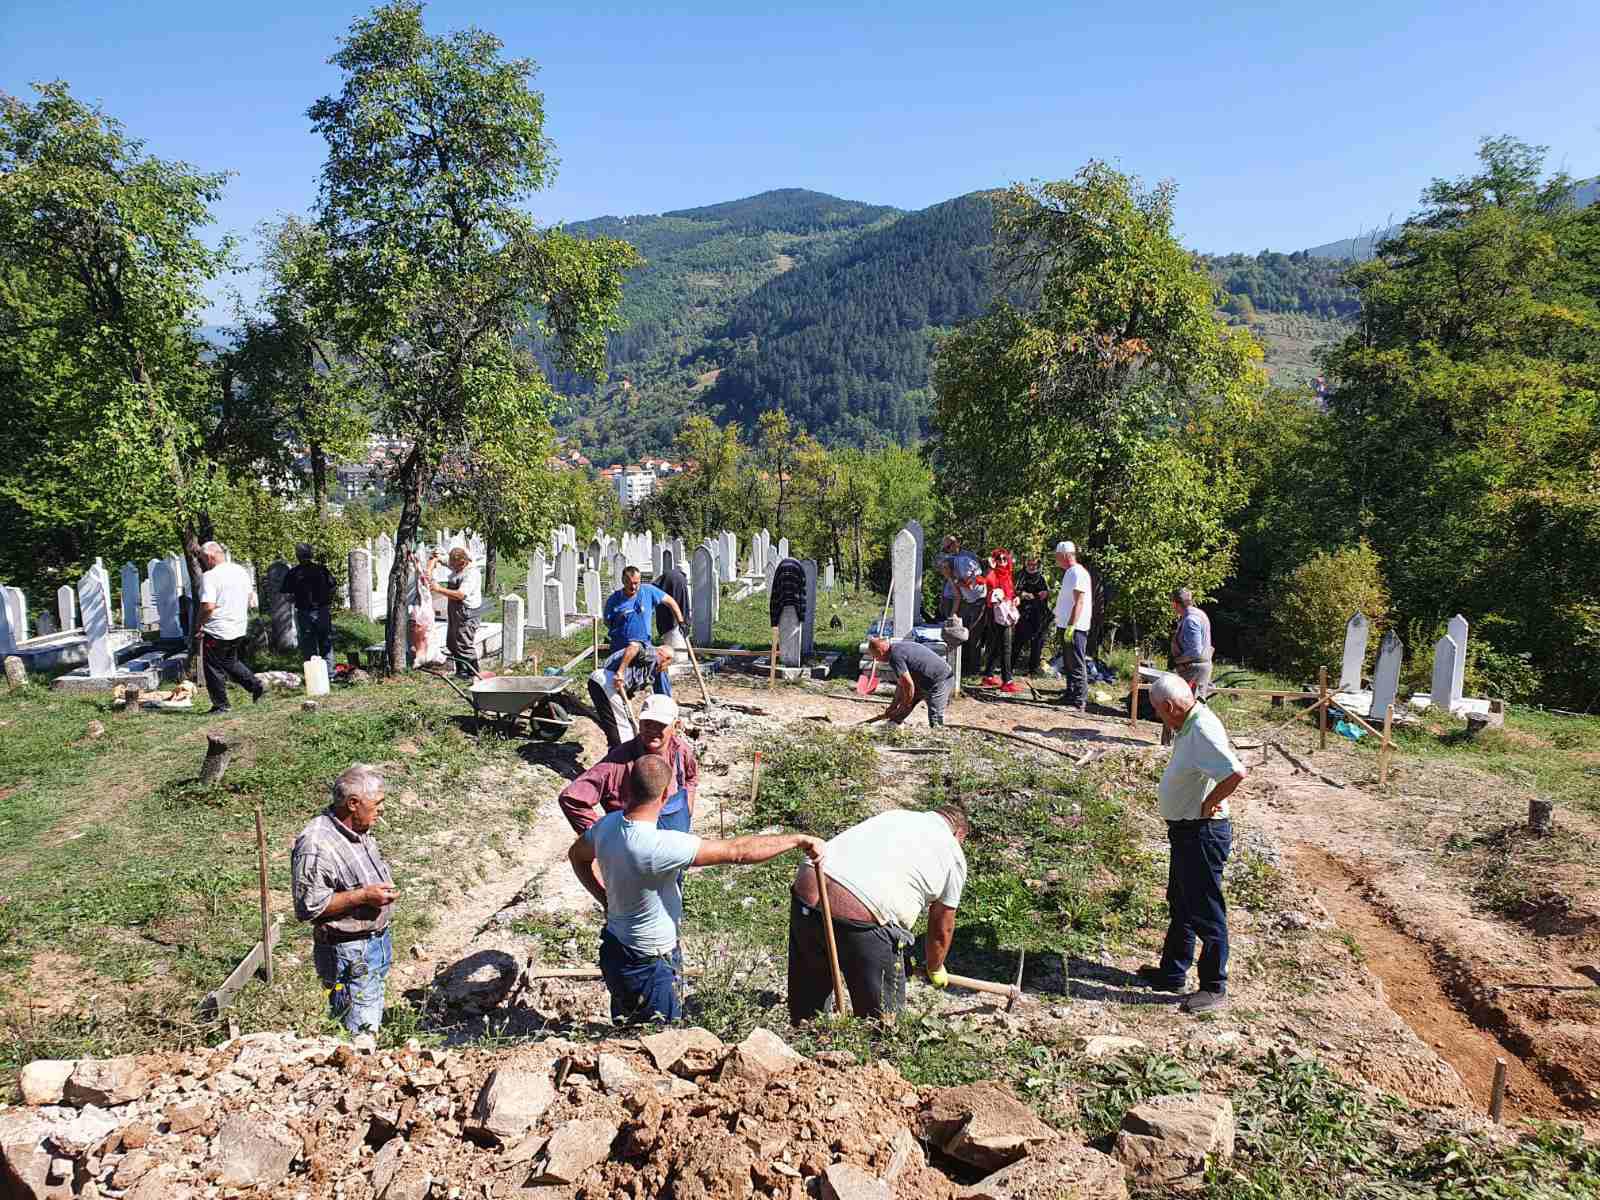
{"type": "Point", "coordinates": [833, 946]}
{"type": "Point", "coordinates": [1497, 1097]}
{"type": "Point", "coordinates": [772, 661]}
{"type": "Point", "coordinates": [694, 662]}
{"type": "Point", "coordinates": [594, 624]}
{"type": "Point", "coordinates": [1386, 746]}
{"type": "Point", "coordinates": [266, 905]}
{"type": "Point", "coordinates": [1133, 698]}
{"type": "Point", "coordinates": [1322, 691]}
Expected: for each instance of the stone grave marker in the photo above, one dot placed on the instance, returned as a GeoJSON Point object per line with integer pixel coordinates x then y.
{"type": "Point", "coordinates": [808, 640]}
{"type": "Point", "coordinates": [1385, 676]}
{"type": "Point", "coordinates": [66, 608]}
{"type": "Point", "coordinates": [164, 582]}
{"type": "Point", "coordinates": [511, 630]}
{"type": "Point", "coordinates": [903, 585]}
{"type": "Point", "coordinates": [703, 585]}
{"type": "Point", "coordinates": [360, 572]}
{"type": "Point", "coordinates": [619, 563]}
{"type": "Point", "coordinates": [591, 592]}
{"type": "Point", "coordinates": [148, 613]}
{"type": "Point", "coordinates": [658, 551]}
{"type": "Point", "coordinates": [783, 549]}
{"type": "Point", "coordinates": [385, 567]}
{"type": "Point", "coordinates": [591, 559]}
{"type": "Point", "coordinates": [95, 603]}
{"type": "Point", "coordinates": [1457, 629]}
{"type": "Point", "coordinates": [765, 540]}
{"type": "Point", "coordinates": [280, 606]}
{"type": "Point", "coordinates": [1445, 654]}
{"type": "Point", "coordinates": [537, 574]}
{"type": "Point", "coordinates": [13, 618]}
{"type": "Point", "coordinates": [554, 623]}
{"type": "Point", "coordinates": [668, 561]}
{"type": "Point", "coordinates": [129, 577]}
{"type": "Point", "coordinates": [827, 576]}
{"type": "Point", "coordinates": [1355, 653]}
{"type": "Point", "coordinates": [567, 573]}
{"type": "Point", "coordinates": [680, 554]}
{"type": "Point", "coordinates": [791, 635]}
{"type": "Point", "coordinates": [915, 526]}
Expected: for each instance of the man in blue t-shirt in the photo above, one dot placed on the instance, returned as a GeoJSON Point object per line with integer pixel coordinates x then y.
{"type": "Point", "coordinates": [630, 610]}
{"type": "Point", "coordinates": [642, 895]}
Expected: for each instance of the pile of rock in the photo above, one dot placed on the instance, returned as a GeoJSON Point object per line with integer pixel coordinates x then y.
{"type": "Point", "coordinates": [673, 1113]}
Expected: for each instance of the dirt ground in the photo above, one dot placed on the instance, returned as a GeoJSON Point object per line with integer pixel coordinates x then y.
{"type": "Point", "coordinates": [1384, 969]}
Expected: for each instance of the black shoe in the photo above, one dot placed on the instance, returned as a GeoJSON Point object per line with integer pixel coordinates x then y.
{"type": "Point", "coordinates": [1152, 977]}
{"type": "Point", "coordinates": [220, 710]}
{"type": "Point", "coordinates": [1203, 1002]}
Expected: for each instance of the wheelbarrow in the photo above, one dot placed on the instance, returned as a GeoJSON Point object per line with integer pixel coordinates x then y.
{"type": "Point", "coordinates": [506, 698]}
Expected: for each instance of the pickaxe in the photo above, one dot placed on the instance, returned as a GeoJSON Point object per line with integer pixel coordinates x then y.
{"type": "Point", "coordinates": [1012, 991]}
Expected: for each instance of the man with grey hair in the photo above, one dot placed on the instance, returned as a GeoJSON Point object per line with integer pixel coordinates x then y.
{"type": "Point", "coordinates": [1202, 772]}
{"type": "Point", "coordinates": [312, 586]}
{"type": "Point", "coordinates": [345, 889]}
{"type": "Point", "coordinates": [1074, 618]}
{"type": "Point", "coordinates": [1192, 650]}
{"type": "Point", "coordinates": [224, 617]}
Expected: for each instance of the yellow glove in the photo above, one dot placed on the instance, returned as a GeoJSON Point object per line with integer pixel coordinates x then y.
{"type": "Point", "coordinates": [939, 978]}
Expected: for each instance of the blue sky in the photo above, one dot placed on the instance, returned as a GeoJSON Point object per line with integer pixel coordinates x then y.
{"type": "Point", "coordinates": [1284, 125]}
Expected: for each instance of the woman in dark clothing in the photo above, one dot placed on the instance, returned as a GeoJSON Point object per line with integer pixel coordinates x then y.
{"type": "Point", "coordinates": [1033, 593]}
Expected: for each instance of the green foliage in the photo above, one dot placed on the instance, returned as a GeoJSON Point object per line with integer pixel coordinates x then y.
{"type": "Point", "coordinates": [1091, 408]}
{"type": "Point", "coordinates": [1317, 599]}
{"type": "Point", "coordinates": [1274, 282]}
{"type": "Point", "coordinates": [818, 785]}
{"type": "Point", "coordinates": [1128, 1079]}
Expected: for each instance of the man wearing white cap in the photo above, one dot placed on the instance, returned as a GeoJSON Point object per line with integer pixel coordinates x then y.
{"type": "Point", "coordinates": [603, 788]}
{"type": "Point", "coordinates": [1074, 613]}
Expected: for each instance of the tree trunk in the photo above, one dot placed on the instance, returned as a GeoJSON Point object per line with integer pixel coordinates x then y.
{"type": "Point", "coordinates": [319, 479]}
{"type": "Point", "coordinates": [405, 537]}
{"type": "Point", "coordinates": [491, 563]}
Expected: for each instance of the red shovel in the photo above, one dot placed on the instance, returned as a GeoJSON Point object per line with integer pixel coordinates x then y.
{"type": "Point", "coordinates": [868, 682]}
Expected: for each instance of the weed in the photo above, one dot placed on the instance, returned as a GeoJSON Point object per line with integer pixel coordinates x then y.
{"type": "Point", "coordinates": [1114, 1086]}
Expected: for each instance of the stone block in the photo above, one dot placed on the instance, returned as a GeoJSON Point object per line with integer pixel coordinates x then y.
{"type": "Point", "coordinates": [512, 1100]}
{"type": "Point", "coordinates": [254, 1151]}
{"type": "Point", "coordinates": [846, 1181]}
{"type": "Point", "coordinates": [615, 1073]}
{"type": "Point", "coordinates": [982, 1125]}
{"type": "Point", "coordinates": [106, 1081]}
{"type": "Point", "coordinates": [574, 1148]}
{"type": "Point", "coordinates": [44, 1080]}
{"type": "Point", "coordinates": [759, 1057]}
{"type": "Point", "coordinates": [692, 1051]}
{"type": "Point", "coordinates": [1060, 1170]}
{"type": "Point", "coordinates": [1167, 1141]}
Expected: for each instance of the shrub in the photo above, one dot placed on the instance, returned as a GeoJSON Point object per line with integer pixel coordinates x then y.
{"type": "Point", "coordinates": [1316, 600]}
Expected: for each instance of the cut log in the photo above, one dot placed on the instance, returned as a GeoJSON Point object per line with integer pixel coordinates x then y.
{"type": "Point", "coordinates": [1541, 817]}
{"type": "Point", "coordinates": [16, 673]}
{"type": "Point", "coordinates": [218, 752]}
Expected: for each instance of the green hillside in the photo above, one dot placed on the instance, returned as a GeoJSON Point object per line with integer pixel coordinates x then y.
{"type": "Point", "coordinates": [830, 309]}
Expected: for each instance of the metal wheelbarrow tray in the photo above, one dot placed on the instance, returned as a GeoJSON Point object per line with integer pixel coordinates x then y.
{"type": "Point", "coordinates": [506, 698]}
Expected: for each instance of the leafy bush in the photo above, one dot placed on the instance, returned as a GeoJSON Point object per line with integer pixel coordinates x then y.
{"type": "Point", "coordinates": [1316, 600]}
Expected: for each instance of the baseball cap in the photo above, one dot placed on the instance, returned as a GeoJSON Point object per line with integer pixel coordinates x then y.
{"type": "Point", "coordinates": [663, 710]}
{"type": "Point", "coordinates": [1066, 548]}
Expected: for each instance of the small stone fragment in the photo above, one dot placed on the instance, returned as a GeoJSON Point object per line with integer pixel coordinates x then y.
{"type": "Point", "coordinates": [615, 1073]}
{"type": "Point", "coordinates": [575, 1147]}
{"type": "Point", "coordinates": [1168, 1141]}
{"type": "Point", "coordinates": [511, 1101]}
{"type": "Point", "coordinates": [252, 1151]}
{"type": "Point", "coordinates": [106, 1081]}
{"type": "Point", "coordinates": [759, 1058]}
{"type": "Point", "coordinates": [184, 1118]}
{"type": "Point", "coordinates": [1109, 1045]}
{"type": "Point", "coordinates": [671, 1047]}
{"type": "Point", "coordinates": [846, 1181]}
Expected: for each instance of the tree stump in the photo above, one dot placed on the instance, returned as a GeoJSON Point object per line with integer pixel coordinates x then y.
{"type": "Point", "coordinates": [218, 752]}
{"type": "Point", "coordinates": [16, 673]}
{"type": "Point", "coordinates": [1541, 817]}
{"type": "Point", "coordinates": [1476, 724]}
{"type": "Point", "coordinates": [130, 700]}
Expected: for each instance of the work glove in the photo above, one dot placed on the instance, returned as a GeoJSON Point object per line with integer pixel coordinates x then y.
{"type": "Point", "coordinates": [939, 978]}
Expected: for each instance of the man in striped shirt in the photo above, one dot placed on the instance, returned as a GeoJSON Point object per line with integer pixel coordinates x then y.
{"type": "Point", "coordinates": [345, 889]}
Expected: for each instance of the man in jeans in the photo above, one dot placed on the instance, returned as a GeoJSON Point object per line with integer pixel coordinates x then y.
{"type": "Point", "coordinates": [224, 620]}
{"type": "Point", "coordinates": [920, 674]}
{"type": "Point", "coordinates": [312, 586]}
{"type": "Point", "coordinates": [641, 891]}
{"type": "Point", "coordinates": [1202, 772]}
{"type": "Point", "coordinates": [1074, 616]}
{"type": "Point", "coordinates": [345, 889]}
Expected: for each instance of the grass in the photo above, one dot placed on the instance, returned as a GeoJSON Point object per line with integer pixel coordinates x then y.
{"type": "Point", "coordinates": [748, 622]}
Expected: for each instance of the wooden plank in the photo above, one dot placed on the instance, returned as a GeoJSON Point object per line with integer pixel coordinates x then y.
{"type": "Point", "coordinates": [252, 963]}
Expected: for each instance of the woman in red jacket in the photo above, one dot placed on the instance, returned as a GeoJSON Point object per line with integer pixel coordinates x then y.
{"type": "Point", "coordinates": [1003, 613]}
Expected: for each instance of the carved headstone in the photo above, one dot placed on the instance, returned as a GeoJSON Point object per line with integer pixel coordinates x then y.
{"type": "Point", "coordinates": [66, 608]}
{"type": "Point", "coordinates": [1355, 653]}
{"type": "Point", "coordinates": [591, 558]}
{"type": "Point", "coordinates": [384, 568]}
{"type": "Point", "coordinates": [280, 606]}
{"type": "Point", "coordinates": [149, 615]}
{"type": "Point", "coordinates": [164, 582]}
{"type": "Point", "coordinates": [783, 549]}
{"type": "Point", "coordinates": [827, 576]}
{"type": "Point", "coordinates": [13, 618]}
{"type": "Point", "coordinates": [915, 526]}
{"type": "Point", "coordinates": [903, 585]}
{"type": "Point", "coordinates": [1385, 676]}
{"type": "Point", "coordinates": [1445, 653]}
{"type": "Point", "coordinates": [94, 600]}
{"type": "Point", "coordinates": [591, 592]}
{"type": "Point", "coordinates": [538, 572]}
{"type": "Point", "coordinates": [360, 573]}
{"type": "Point", "coordinates": [703, 586]}
{"type": "Point", "coordinates": [128, 576]}
{"type": "Point", "coordinates": [511, 630]}
{"type": "Point", "coordinates": [791, 632]}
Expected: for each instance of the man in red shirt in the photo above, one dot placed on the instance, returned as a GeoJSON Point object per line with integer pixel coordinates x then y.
{"type": "Point", "coordinates": [603, 787]}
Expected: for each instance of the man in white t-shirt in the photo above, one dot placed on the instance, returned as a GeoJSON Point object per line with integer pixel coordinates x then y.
{"type": "Point", "coordinates": [1074, 615]}
{"type": "Point", "coordinates": [225, 590]}
{"type": "Point", "coordinates": [640, 888]}
{"type": "Point", "coordinates": [882, 874]}
{"type": "Point", "coordinates": [1201, 774]}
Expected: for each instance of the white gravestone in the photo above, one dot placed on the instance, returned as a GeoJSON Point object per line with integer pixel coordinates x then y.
{"type": "Point", "coordinates": [148, 613]}
{"type": "Point", "coordinates": [591, 591]}
{"type": "Point", "coordinates": [903, 559]}
{"type": "Point", "coordinates": [95, 602]}
{"type": "Point", "coordinates": [567, 572]}
{"type": "Point", "coordinates": [808, 641]}
{"type": "Point", "coordinates": [703, 585]}
{"type": "Point", "coordinates": [129, 576]}
{"type": "Point", "coordinates": [1445, 653]}
{"type": "Point", "coordinates": [180, 572]}
{"type": "Point", "coordinates": [1355, 653]}
{"type": "Point", "coordinates": [554, 622]}
{"type": "Point", "coordinates": [537, 574]}
{"type": "Point", "coordinates": [361, 581]}
{"type": "Point", "coordinates": [13, 619]}
{"type": "Point", "coordinates": [1457, 629]}
{"type": "Point", "coordinates": [1385, 676]}
{"type": "Point", "coordinates": [511, 630]}
{"type": "Point", "coordinates": [783, 549]}
{"type": "Point", "coordinates": [680, 554]}
{"type": "Point", "coordinates": [164, 582]}
{"type": "Point", "coordinates": [619, 564]}
{"type": "Point", "coordinates": [280, 607]}
{"type": "Point", "coordinates": [827, 576]}
{"type": "Point", "coordinates": [765, 540]}
{"type": "Point", "coordinates": [591, 559]}
{"type": "Point", "coordinates": [658, 554]}
{"type": "Point", "coordinates": [791, 635]}
{"type": "Point", "coordinates": [66, 607]}
{"type": "Point", "coordinates": [384, 568]}
{"type": "Point", "coordinates": [915, 527]}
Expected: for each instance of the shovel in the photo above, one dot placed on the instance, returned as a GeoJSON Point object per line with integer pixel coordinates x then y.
{"type": "Point", "coordinates": [868, 682]}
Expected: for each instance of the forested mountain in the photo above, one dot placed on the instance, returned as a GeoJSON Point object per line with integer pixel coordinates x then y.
{"type": "Point", "coordinates": [829, 309]}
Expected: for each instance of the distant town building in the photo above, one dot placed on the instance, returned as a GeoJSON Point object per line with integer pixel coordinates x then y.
{"type": "Point", "coordinates": [634, 486]}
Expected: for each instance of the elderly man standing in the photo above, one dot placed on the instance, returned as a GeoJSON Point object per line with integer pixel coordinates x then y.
{"type": "Point", "coordinates": [637, 667]}
{"type": "Point", "coordinates": [463, 589]}
{"type": "Point", "coordinates": [344, 888]}
{"type": "Point", "coordinates": [1074, 616]}
{"type": "Point", "coordinates": [312, 586]}
{"type": "Point", "coordinates": [224, 620]}
{"type": "Point", "coordinates": [1191, 643]}
{"type": "Point", "coordinates": [640, 888]}
{"type": "Point", "coordinates": [603, 788]}
{"type": "Point", "coordinates": [1202, 772]}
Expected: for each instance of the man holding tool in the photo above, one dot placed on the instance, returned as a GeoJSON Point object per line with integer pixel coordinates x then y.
{"type": "Point", "coordinates": [641, 892]}
{"type": "Point", "coordinates": [1202, 772]}
{"type": "Point", "coordinates": [921, 674]}
{"type": "Point", "coordinates": [637, 667]}
{"type": "Point", "coordinates": [630, 610]}
{"type": "Point", "coordinates": [603, 788]}
{"type": "Point", "coordinates": [882, 874]}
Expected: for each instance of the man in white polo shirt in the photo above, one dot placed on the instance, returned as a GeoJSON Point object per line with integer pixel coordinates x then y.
{"type": "Point", "coordinates": [881, 875]}
{"type": "Point", "coordinates": [1201, 774]}
{"type": "Point", "coordinates": [1074, 615]}
{"type": "Point", "coordinates": [642, 866]}
{"type": "Point", "coordinates": [224, 620]}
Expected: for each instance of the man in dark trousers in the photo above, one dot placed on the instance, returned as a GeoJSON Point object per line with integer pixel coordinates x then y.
{"type": "Point", "coordinates": [671, 626]}
{"type": "Point", "coordinates": [629, 611]}
{"type": "Point", "coordinates": [1033, 594]}
{"type": "Point", "coordinates": [312, 586]}
{"type": "Point", "coordinates": [921, 674]}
